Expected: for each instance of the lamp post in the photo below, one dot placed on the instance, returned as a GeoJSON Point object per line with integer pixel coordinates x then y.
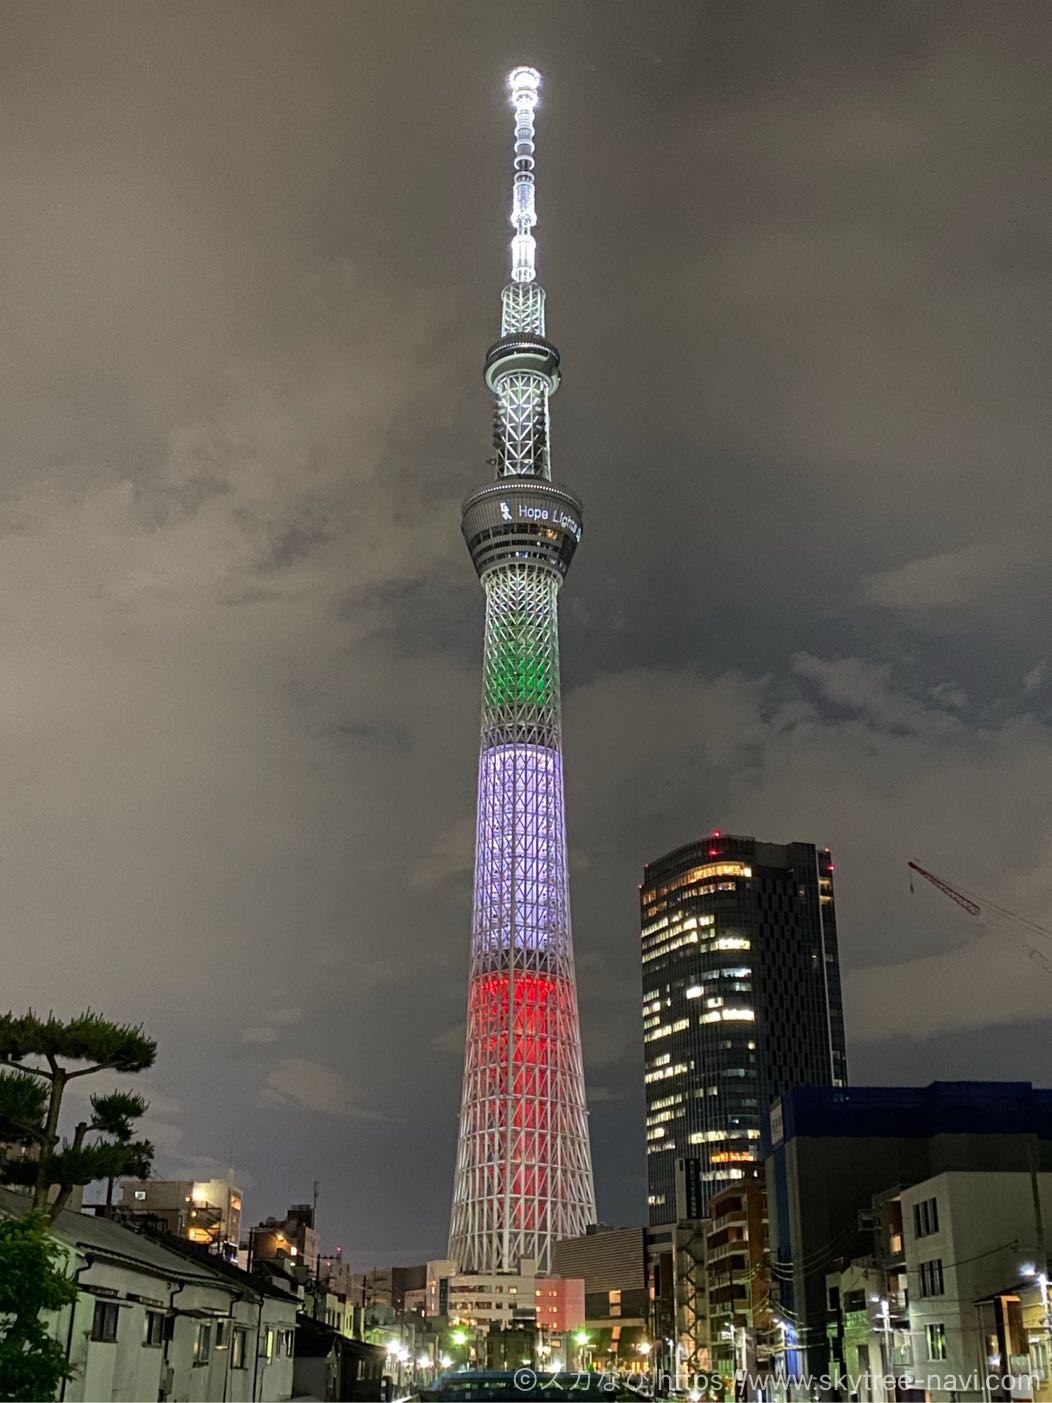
{"type": "Point", "coordinates": [1041, 1277]}
{"type": "Point", "coordinates": [645, 1348]}
{"type": "Point", "coordinates": [581, 1339]}
{"type": "Point", "coordinates": [730, 1332]}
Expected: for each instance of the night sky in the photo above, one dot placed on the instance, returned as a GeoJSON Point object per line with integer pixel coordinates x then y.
{"type": "Point", "coordinates": [798, 264]}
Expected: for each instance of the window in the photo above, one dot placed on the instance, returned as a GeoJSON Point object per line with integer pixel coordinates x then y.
{"type": "Point", "coordinates": [268, 1344]}
{"type": "Point", "coordinates": [1038, 1356]}
{"type": "Point", "coordinates": [926, 1218]}
{"type": "Point", "coordinates": [289, 1338]}
{"type": "Point", "coordinates": [154, 1333]}
{"type": "Point", "coordinates": [104, 1325]}
{"type": "Point", "coordinates": [140, 1195]}
{"type": "Point", "coordinates": [931, 1278]}
{"type": "Point", "coordinates": [936, 1341]}
{"type": "Point", "coordinates": [238, 1349]}
{"type": "Point", "coordinates": [203, 1342]}
{"type": "Point", "coordinates": [222, 1334]}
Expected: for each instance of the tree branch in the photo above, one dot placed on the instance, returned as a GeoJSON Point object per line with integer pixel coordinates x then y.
{"type": "Point", "coordinates": [21, 1067]}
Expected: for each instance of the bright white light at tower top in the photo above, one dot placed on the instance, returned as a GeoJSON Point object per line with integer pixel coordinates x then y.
{"type": "Point", "coordinates": [524, 84]}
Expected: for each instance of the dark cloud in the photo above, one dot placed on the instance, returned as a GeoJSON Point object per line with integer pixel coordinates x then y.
{"type": "Point", "coordinates": [797, 264]}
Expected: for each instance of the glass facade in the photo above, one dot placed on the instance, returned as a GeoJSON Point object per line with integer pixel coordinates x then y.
{"type": "Point", "coordinates": [741, 1000]}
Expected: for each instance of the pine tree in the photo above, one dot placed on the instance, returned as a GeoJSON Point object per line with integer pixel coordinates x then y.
{"type": "Point", "coordinates": [38, 1053]}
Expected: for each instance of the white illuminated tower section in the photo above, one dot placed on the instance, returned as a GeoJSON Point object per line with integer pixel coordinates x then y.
{"type": "Point", "coordinates": [524, 1167]}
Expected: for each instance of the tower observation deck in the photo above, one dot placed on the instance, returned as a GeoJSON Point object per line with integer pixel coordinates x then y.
{"type": "Point", "coordinates": [524, 1170]}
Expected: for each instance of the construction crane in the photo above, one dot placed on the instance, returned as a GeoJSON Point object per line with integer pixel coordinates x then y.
{"type": "Point", "coordinates": [975, 908]}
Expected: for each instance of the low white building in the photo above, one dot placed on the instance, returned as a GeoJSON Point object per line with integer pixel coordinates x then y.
{"type": "Point", "coordinates": [966, 1236]}
{"type": "Point", "coordinates": [481, 1298]}
{"type": "Point", "coordinates": [153, 1323]}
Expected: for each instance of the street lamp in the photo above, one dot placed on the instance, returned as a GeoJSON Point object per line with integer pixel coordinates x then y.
{"type": "Point", "coordinates": [644, 1347]}
{"type": "Point", "coordinates": [581, 1339]}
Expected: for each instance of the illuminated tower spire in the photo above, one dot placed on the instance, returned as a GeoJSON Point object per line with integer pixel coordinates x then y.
{"type": "Point", "coordinates": [524, 1168]}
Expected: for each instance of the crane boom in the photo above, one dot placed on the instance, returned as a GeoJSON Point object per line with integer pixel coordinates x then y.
{"type": "Point", "coordinates": [972, 907]}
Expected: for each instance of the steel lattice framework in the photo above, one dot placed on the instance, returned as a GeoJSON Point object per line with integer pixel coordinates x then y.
{"type": "Point", "coordinates": [524, 1170]}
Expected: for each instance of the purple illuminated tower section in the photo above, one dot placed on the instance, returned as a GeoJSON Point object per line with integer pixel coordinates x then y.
{"type": "Point", "coordinates": [524, 1167]}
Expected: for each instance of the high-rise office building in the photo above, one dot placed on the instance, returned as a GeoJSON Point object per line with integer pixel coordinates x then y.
{"type": "Point", "coordinates": [524, 1169]}
{"type": "Point", "coordinates": [741, 1001]}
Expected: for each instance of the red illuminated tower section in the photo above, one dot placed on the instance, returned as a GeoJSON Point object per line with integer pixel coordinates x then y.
{"type": "Point", "coordinates": [524, 1170]}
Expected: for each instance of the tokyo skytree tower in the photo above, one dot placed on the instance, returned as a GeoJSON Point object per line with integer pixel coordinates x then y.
{"type": "Point", "coordinates": [524, 1167]}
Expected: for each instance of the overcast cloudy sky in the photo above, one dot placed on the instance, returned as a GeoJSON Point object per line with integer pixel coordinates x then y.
{"type": "Point", "coordinates": [798, 263]}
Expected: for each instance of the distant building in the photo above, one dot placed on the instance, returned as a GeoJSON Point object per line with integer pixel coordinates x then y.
{"type": "Point", "coordinates": [335, 1271]}
{"type": "Point", "coordinates": [507, 1348]}
{"type": "Point", "coordinates": [612, 1263]}
{"type": "Point", "coordinates": [503, 1300]}
{"type": "Point", "coordinates": [292, 1238]}
{"type": "Point", "coordinates": [203, 1211]}
{"type": "Point", "coordinates": [388, 1286]}
{"type": "Point", "coordinates": [437, 1276]}
{"type": "Point", "coordinates": [153, 1321]}
{"type": "Point", "coordinates": [559, 1304]}
{"type": "Point", "coordinates": [741, 1001]}
{"type": "Point", "coordinates": [416, 1301]}
{"type": "Point", "coordinates": [930, 1199]}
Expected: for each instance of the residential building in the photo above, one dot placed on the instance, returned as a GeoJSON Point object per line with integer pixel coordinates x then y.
{"type": "Point", "coordinates": [151, 1321]}
{"type": "Point", "coordinates": [292, 1238]}
{"type": "Point", "coordinates": [913, 1183]}
{"type": "Point", "coordinates": [738, 1278]}
{"type": "Point", "coordinates": [968, 1237]}
{"type": "Point", "coordinates": [206, 1212]}
{"type": "Point", "coordinates": [1017, 1336]}
{"type": "Point", "coordinates": [741, 1001]}
{"type": "Point", "coordinates": [330, 1366]}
